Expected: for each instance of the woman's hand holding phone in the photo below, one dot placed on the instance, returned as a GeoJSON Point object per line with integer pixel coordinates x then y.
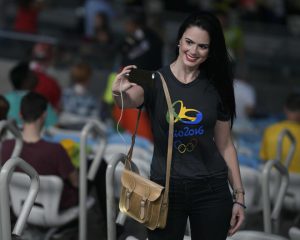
{"type": "Point", "coordinates": [127, 93]}
{"type": "Point", "coordinates": [121, 82]}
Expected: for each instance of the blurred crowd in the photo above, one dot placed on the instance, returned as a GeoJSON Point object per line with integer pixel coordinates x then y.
{"type": "Point", "coordinates": [109, 35]}
{"type": "Point", "coordinates": [97, 25]}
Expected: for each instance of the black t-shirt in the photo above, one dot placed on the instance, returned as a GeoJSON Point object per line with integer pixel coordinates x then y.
{"type": "Point", "coordinates": [197, 107]}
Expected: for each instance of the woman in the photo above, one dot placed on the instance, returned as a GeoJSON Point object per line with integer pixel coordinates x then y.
{"type": "Point", "coordinates": [204, 158]}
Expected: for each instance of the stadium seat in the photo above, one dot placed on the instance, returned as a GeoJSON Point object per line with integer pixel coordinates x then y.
{"type": "Point", "coordinates": [45, 212]}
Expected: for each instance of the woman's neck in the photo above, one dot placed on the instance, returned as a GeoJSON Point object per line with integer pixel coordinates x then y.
{"type": "Point", "coordinates": [183, 73]}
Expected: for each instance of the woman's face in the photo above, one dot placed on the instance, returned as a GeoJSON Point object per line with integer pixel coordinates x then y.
{"type": "Point", "coordinates": [194, 47]}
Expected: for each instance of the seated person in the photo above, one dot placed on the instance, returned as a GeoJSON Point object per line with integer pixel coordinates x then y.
{"type": "Point", "coordinates": [45, 157]}
{"type": "Point", "coordinates": [27, 14]}
{"type": "Point", "coordinates": [50, 158]}
{"type": "Point", "coordinates": [77, 100]}
{"type": "Point", "coordinates": [268, 148]}
{"type": "Point", "coordinates": [245, 102]}
{"type": "Point", "coordinates": [23, 80]}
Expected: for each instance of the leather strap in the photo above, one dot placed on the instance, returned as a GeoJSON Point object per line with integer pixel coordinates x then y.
{"type": "Point", "coordinates": [129, 155]}
{"type": "Point", "coordinates": [170, 139]}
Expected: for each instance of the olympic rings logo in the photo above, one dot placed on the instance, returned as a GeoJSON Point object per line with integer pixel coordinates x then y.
{"type": "Point", "coordinates": [182, 115]}
{"type": "Point", "coordinates": [188, 147]}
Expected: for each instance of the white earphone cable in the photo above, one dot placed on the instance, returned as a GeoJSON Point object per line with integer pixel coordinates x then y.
{"type": "Point", "coordinates": [121, 115]}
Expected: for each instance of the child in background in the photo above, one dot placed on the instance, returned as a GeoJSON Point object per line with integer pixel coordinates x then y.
{"type": "Point", "coordinates": [291, 122]}
{"type": "Point", "coordinates": [22, 80]}
{"type": "Point", "coordinates": [76, 99]}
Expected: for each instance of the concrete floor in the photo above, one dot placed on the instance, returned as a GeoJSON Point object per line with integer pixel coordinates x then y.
{"type": "Point", "coordinates": [253, 222]}
{"type": "Point", "coordinates": [132, 228]}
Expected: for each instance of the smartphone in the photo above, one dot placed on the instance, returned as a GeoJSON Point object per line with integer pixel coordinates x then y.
{"type": "Point", "coordinates": [141, 77]}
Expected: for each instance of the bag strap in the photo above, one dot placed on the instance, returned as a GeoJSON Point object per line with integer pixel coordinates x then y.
{"type": "Point", "coordinates": [129, 154]}
{"type": "Point", "coordinates": [170, 139]}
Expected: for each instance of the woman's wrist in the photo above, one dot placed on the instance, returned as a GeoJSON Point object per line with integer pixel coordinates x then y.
{"type": "Point", "coordinates": [238, 194]}
{"type": "Point", "coordinates": [239, 199]}
{"type": "Point", "coordinates": [240, 204]}
{"type": "Point", "coordinates": [239, 190]}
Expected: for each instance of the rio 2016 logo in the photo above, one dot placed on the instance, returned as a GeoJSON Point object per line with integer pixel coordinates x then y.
{"type": "Point", "coordinates": [191, 128]}
{"type": "Point", "coordinates": [185, 115]}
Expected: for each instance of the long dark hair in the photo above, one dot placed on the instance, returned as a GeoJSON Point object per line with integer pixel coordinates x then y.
{"type": "Point", "coordinates": [218, 65]}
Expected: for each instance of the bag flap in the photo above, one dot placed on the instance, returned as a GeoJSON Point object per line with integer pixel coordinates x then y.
{"type": "Point", "coordinates": [141, 186]}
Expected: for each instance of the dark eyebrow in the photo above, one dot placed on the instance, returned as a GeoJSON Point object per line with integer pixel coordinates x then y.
{"type": "Point", "coordinates": [204, 45]}
{"type": "Point", "coordinates": [200, 44]}
{"type": "Point", "coordinates": [189, 39]}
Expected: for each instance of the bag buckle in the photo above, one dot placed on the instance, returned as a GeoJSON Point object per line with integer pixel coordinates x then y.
{"type": "Point", "coordinates": [128, 195]}
{"type": "Point", "coordinates": [142, 212]}
{"type": "Point", "coordinates": [143, 203]}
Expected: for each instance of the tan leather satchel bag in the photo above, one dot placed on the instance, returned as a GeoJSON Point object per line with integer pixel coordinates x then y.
{"type": "Point", "coordinates": [142, 199]}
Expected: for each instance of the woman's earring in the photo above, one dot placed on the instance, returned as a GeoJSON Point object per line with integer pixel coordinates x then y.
{"type": "Point", "coordinates": [178, 45]}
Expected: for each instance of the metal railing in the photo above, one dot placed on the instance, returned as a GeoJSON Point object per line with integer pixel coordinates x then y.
{"type": "Point", "coordinates": [292, 149]}
{"type": "Point", "coordinates": [5, 177]}
{"type": "Point", "coordinates": [34, 38]}
{"type": "Point", "coordinates": [110, 196]}
{"type": "Point", "coordinates": [271, 220]}
{"type": "Point", "coordinates": [101, 131]}
{"type": "Point", "coordinates": [112, 218]}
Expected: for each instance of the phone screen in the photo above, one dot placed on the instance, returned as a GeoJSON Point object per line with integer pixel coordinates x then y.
{"type": "Point", "coordinates": [141, 77]}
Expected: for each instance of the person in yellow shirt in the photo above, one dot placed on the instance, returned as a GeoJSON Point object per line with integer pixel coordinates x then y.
{"type": "Point", "coordinates": [292, 123]}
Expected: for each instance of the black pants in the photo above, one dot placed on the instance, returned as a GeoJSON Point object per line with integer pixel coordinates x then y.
{"type": "Point", "coordinates": [207, 203]}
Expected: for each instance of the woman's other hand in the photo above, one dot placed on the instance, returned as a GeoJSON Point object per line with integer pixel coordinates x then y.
{"type": "Point", "coordinates": [237, 218]}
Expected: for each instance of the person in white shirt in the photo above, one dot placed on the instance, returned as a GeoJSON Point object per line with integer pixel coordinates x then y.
{"type": "Point", "coordinates": [245, 98]}
{"type": "Point", "coordinates": [245, 101]}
